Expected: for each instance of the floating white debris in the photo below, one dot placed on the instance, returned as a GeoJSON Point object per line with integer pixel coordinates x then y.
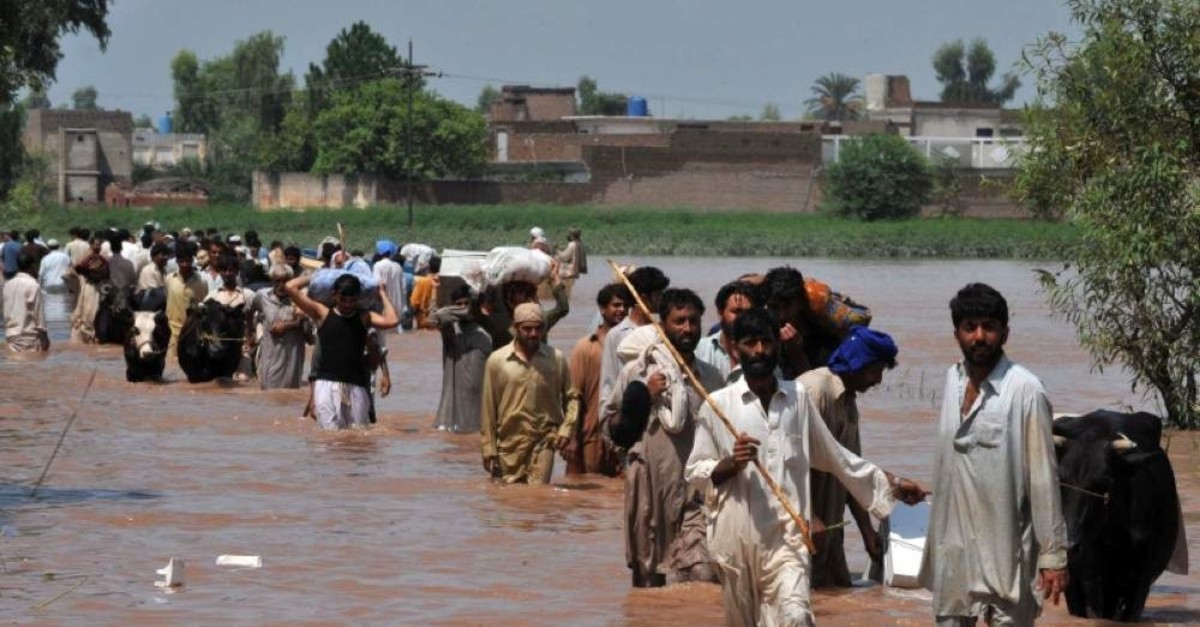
{"type": "Point", "coordinates": [247, 561]}
{"type": "Point", "coordinates": [172, 574]}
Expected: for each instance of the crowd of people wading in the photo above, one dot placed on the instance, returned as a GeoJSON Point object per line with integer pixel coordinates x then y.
{"type": "Point", "coordinates": [738, 445]}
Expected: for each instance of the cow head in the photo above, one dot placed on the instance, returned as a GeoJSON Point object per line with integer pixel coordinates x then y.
{"type": "Point", "coordinates": [150, 333]}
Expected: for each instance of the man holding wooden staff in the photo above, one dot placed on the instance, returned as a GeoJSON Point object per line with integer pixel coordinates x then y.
{"type": "Point", "coordinates": [764, 564]}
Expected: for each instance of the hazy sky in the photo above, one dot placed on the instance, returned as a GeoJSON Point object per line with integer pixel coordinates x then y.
{"type": "Point", "coordinates": [689, 58]}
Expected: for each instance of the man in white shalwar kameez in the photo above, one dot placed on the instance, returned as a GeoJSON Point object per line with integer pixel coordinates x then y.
{"type": "Point", "coordinates": [996, 527]}
{"type": "Point", "coordinates": [764, 566]}
{"type": "Point", "coordinates": [391, 275]}
{"type": "Point", "coordinates": [24, 309]}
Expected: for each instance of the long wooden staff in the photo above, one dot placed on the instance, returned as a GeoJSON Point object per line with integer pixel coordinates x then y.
{"type": "Point", "coordinates": [783, 499]}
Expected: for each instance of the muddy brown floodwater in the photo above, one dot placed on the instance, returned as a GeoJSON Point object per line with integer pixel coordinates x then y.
{"type": "Point", "coordinates": [398, 524]}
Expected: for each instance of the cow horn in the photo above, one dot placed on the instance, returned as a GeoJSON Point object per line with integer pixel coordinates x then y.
{"type": "Point", "coordinates": [1060, 440]}
{"type": "Point", "coordinates": [1123, 443]}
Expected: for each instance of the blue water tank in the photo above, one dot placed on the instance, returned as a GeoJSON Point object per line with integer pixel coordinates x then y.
{"type": "Point", "coordinates": [164, 124]}
{"type": "Point", "coordinates": [636, 107]}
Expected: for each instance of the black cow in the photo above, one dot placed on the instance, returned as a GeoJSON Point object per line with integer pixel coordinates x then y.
{"type": "Point", "coordinates": [1121, 508]}
{"type": "Point", "coordinates": [114, 316]}
{"type": "Point", "coordinates": [210, 342]}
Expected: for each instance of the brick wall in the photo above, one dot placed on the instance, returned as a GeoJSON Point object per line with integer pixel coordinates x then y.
{"type": "Point", "coordinates": [278, 190]}
{"type": "Point", "coordinates": [692, 168]}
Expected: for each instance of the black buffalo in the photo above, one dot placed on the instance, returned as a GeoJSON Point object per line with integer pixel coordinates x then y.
{"type": "Point", "coordinates": [1121, 509]}
{"type": "Point", "coordinates": [210, 342]}
{"type": "Point", "coordinates": [114, 316]}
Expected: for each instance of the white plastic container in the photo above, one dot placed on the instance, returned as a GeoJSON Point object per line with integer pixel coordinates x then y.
{"type": "Point", "coordinates": [245, 561]}
{"type": "Point", "coordinates": [173, 574]}
{"type": "Point", "coordinates": [906, 545]}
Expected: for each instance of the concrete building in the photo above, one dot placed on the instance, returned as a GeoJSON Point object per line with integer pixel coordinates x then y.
{"type": "Point", "coordinates": [87, 149]}
{"type": "Point", "coordinates": [890, 100]}
{"type": "Point", "coordinates": [163, 150]}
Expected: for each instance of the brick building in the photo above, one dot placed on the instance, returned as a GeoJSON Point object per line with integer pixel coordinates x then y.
{"type": "Point", "coordinates": [88, 150]}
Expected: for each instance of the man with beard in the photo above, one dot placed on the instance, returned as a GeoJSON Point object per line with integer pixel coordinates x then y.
{"type": "Point", "coordinates": [529, 407]}
{"type": "Point", "coordinates": [996, 525]}
{"type": "Point", "coordinates": [733, 299]}
{"type": "Point", "coordinates": [855, 367]}
{"type": "Point", "coordinates": [764, 567]}
{"type": "Point", "coordinates": [664, 516]}
{"type": "Point", "coordinates": [588, 451]}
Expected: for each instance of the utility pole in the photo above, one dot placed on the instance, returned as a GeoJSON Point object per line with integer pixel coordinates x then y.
{"type": "Point", "coordinates": [411, 73]}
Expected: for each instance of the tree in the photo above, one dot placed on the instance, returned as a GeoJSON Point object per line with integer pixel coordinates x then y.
{"type": "Point", "coordinates": [143, 121]}
{"type": "Point", "coordinates": [1113, 141]}
{"type": "Point", "coordinates": [969, 82]}
{"type": "Point", "coordinates": [29, 33]}
{"type": "Point", "coordinates": [488, 95]}
{"type": "Point", "coordinates": [240, 101]}
{"type": "Point", "coordinates": [29, 55]}
{"type": "Point", "coordinates": [835, 97]}
{"type": "Point", "coordinates": [36, 99]}
{"type": "Point", "coordinates": [219, 92]}
{"type": "Point", "coordinates": [364, 131]}
{"type": "Point", "coordinates": [592, 101]}
{"type": "Point", "coordinates": [84, 98]}
{"type": "Point", "coordinates": [879, 176]}
{"type": "Point", "coordinates": [770, 113]}
{"type": "Point", "coordinates": [355, 55]}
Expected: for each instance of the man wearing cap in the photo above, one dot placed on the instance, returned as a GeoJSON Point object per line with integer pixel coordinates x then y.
{"type": "Point", "coordinates": [529, 407]}
{"type": "Point", "coordinates": [855, 366]}
{"type": "Point", "coordinates": [54, 265]}
{"type": "Point", "coordinates": [388, 272]}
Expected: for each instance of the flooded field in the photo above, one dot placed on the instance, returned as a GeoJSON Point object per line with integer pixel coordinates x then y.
{"type": "Point", "coordinates": [399, 524]}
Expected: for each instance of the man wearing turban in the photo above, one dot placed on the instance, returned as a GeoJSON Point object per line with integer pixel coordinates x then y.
{"type": "Point", "coordinates": [855, 366]}
{"type": "Point", "coordinates": [529, 407]}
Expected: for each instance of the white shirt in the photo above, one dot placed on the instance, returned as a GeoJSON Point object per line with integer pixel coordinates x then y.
{"type": "Point", "coordinates": [711, 352]}
{"type": "Point", "coordinates": [610, 363]}
{"type": "Point", "coordinates": [391, 276]}
{"type": "Point", "coordinates": [794, 440]}
{"type": "Point", "coordinates": [996, 494]}
{"type": "Point", "coordinates": [151, 277]}
{"type": "Point", "coordinates": [54, 264]}
{"type": "Point", "coordinates": [24, 313]}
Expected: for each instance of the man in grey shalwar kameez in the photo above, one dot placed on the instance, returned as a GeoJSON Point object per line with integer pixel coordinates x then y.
{"type": "Point", "coordinates": [465, 350]}
{"type": "Point", "coordinates": [996, 528]}
{"type": "Point", "coordinates": [280, 362]}
{"type": "Point", "coordinates": [664, 516]}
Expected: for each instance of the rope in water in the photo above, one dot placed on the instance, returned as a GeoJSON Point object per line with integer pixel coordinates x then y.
{"type": "Point", "coordinates": [38, 484]}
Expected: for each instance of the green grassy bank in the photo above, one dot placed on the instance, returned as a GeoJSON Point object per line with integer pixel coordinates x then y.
{"type": "Point", "coordinates": [606, 231]}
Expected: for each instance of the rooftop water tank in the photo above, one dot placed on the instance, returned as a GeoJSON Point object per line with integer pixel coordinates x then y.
{"type": "Point", "coordinates": [164, 124]}
{"type": "Point", "coordinates": [636, 107]}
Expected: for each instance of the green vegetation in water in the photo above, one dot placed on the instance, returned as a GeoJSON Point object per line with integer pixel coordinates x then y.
{"type": "Point", "coordinates": [606, 231]}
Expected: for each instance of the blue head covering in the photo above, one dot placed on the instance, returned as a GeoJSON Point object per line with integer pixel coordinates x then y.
{"type": "Point", "coordinates": [385, 247]}
{"type": "Point", "coordinates": [861, 348]}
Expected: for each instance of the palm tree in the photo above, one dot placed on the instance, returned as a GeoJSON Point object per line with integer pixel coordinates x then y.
{"type": "Point", "coordinates": [835, 97]}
